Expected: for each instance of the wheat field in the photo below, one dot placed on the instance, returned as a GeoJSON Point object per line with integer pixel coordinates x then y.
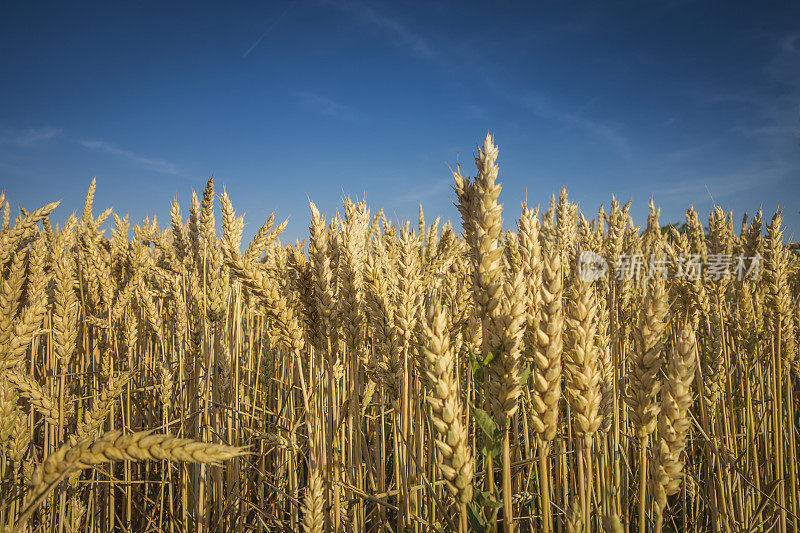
{"type": "Point", "coordinates": [529, 370]}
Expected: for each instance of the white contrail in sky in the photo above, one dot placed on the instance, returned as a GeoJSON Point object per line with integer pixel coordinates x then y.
{"type": "Point", "coordinates": [269, 29]}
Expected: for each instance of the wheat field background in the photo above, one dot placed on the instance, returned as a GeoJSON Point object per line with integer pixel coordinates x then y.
{"type": "Point", "coordinates": [388, 376]}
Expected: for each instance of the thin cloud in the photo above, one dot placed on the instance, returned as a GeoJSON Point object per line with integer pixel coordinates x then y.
{"type": "Point", "coordinates": [690, 154]}
{"type": "Point", "coordinates": [430, 190]}
{"type": "Point", "coordinates": [723, 186]}
{"type": "Point", "coordinates": [738, 97]}
{"type": "Point", "coordinates": [791, 43]}
{"type": "Point", "coordinates": [476, 112]}
{"type": "Point", "coordinates": [545, 108]}
{"type": "Point", "coordinates": [325, 105]}
{"type": "Point", "coordinates": [772, 104]}
{"type": "Point", "coordinates": [539, 106]}
{"type": "Point", "coordinates": [150, 163]}
{"type": "Point", "coordinates": [401, 34]}
{"type": "Point", "coordinates": [29, 137]}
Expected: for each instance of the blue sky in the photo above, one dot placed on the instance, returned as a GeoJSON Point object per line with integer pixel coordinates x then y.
{"type": "Point", "coordinates": [687, 102]}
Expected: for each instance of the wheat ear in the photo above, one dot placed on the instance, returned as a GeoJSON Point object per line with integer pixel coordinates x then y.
{"type": "Point", "coordinates": [314, 504]}
{"type": "Point", "coordinates": [455, 460]}
{"type": "Point", "coordinates": [37, 396]}
{"type": "Point", "coordinates": [644, 384]}
{"type": "Point", "coordinates": [583, 384]}
{"type": "Point", "coordinates": [114, 446]}
{"type": "Point", "coordinates": [546, 391]}
{"type": "Point", "coordinates": [673, 421]}
{"type": "Point", "coordinates": [94, 418]}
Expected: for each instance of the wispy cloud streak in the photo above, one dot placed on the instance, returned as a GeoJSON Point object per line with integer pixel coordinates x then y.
{"type": "Point", "coordinates": [325, 105]}
{"type": "Point", "coordinates": [723, 185]}
{"type": "Point", "coordinates": [427, 190]}
{"type": "Point", "coordinates": [400, 33]}
{"type": "Point", "coordinates": [536, 104]}
{"type": "Point", "coordinates": [544, 108]}
{"type": "Point", "coordinates": [151, 163]}
{"type": "Point", "coordinates": [29, 137]}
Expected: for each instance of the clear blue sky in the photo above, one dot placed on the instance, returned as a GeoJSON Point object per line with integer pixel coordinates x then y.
{"type": "Point", "coordinates": [683, 101]}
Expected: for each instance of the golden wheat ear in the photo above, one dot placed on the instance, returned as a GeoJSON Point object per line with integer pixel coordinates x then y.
{"type": "Point", "coordinates": [115, 446]}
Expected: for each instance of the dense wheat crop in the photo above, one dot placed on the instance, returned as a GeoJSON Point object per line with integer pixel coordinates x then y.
{"type": "Point", "coordinates": [544, 372]}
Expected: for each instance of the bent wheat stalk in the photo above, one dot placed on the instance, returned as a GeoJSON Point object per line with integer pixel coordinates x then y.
{"type": "Point", "coordinates": [114, 446]}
